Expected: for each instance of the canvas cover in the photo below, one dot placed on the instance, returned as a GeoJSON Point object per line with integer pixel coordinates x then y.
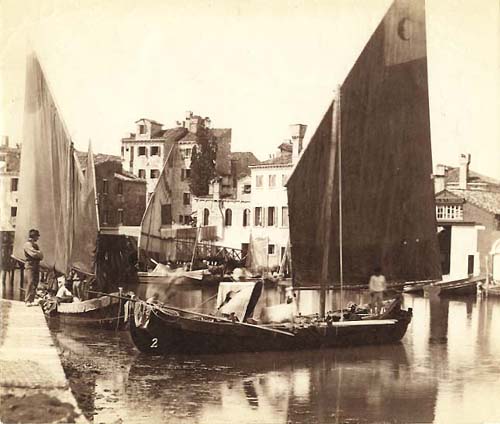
{"type": "Point", "coordinates": [257, 259]}
{"type": "Point", "coordinates": [85, 218]}
{"type": "Point", "coordinates": [382, 118]}
{"type": "Point", "coordinates": [46, 169]}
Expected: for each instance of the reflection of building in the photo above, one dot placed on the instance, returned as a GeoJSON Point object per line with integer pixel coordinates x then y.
{"type": "Point", "coordinates": [468, 217]}
{"type": "Point", "coordinates": [145, 152]}
{"type": "Point", "coordinates": [255, 216]}
{"type": "Point", "coordinates": [121, 195]}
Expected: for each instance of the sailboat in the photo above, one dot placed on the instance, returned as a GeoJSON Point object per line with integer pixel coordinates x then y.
{"type": "Point", "coordinates": [58, 199]}
{"type": "Point", "coordinates": [360, 196]}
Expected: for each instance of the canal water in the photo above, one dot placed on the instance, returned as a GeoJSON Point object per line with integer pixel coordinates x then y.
{"type": "Point", "coordinates": [445, 370]}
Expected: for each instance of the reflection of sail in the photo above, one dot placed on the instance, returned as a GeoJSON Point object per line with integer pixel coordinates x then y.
{"type": "Point", "coordinates": [286, 386]}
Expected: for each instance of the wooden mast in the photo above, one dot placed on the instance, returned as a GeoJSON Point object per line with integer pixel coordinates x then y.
{"type": "Point", "coordinates": [327, 206]}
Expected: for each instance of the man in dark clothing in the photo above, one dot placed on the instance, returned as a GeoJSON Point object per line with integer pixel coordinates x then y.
{"type": "Point", "coordinates": [33, 257]}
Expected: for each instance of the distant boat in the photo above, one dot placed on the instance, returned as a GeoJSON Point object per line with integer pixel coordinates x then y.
{"type": "Point", "coordinates": [360, 195]}
{"type": "Point", "coordinates": [458, 287]}
{"type": "Point", "coordinates": [58, 199]}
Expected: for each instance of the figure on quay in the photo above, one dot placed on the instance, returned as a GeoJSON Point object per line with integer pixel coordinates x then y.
{"type": "Point", "coordinates": [377, 286]}
{"type": "Point", "coordinates": [33, 256]}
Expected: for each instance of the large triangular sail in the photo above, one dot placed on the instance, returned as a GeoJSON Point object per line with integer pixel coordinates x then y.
{"type": "Point", "coordinates": [387, 191]}
{"type": "Point", "coordinates": [85, 217]}
{"type": "Point", "coordinates": [45, 200]}
{"type": "Point", "coordinates": [155, 242]}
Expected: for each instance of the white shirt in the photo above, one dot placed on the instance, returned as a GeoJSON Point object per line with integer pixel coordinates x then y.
{"type": "Point", "coordinates": [377, 283]}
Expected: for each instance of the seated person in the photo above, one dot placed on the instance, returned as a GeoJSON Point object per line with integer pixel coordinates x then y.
{"type": "Point", "coordinates": [63, 295]}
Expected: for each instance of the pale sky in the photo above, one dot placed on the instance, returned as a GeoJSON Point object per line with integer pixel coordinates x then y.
{"type": "Point", "coordinates": [253, 66]}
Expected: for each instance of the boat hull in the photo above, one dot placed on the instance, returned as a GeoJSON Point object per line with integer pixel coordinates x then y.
{"type": "Point", "coordinates": [167, 334]}
{"type": "Point", "coordinates": [109, 316]}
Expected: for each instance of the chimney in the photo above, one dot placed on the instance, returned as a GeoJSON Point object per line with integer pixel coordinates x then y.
{"type": "Point", "coordinates": [464, 162]}
{"type": "Point", "coordinates": [439, 178]}
{"type": "Point", "coordinates": [5, 141]}
{"type": "Point", "coordinates": [216, 189]}
{"type": "Point", "coordinates": [297, 131]}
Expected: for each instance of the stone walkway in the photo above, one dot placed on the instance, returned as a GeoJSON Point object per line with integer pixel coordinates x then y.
{"type": "Point", "coordinates": [30, 366]}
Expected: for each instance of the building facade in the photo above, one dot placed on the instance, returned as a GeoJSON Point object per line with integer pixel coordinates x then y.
{"type": "Point", "coordinates": [145, 152]}
{"type": "Point", "coordinates": [9, 184]}
{"type": "Point", "coordinates": [468, 219]}
{"type": "Point", "coordinates": [121, 196]}
{"type": "Point", "coordinates": [255, 218]}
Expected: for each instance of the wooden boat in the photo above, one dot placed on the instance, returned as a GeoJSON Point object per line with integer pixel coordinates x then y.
{"type": "Point", "coordinates": [58, 199]}
{"type": "Point", "coordinates": [459, 287]}
{"type": "Point", "coordinates": [172, 330]}
{"type": "Point", "coordinates": [379, 124]}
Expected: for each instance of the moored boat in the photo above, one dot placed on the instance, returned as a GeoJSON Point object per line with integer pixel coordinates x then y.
{"type": "Point", "coordinates": [359, 196]}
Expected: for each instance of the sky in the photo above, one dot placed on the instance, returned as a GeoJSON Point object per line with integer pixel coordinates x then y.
{"type": "Point", "coordinates": [250, 65]}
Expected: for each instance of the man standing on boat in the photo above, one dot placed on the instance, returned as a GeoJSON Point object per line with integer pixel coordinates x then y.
{"type": "Point", "coordinates": [378, 286]}
{"type": "Point", "coordinates": [33, 256]}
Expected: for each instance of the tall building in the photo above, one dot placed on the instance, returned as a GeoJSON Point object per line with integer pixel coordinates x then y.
{"type": "Point", "coordinates": [145, 152]}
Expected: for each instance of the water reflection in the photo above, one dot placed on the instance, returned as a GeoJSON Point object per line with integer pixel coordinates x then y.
{"type": "Point", "coordinates": [445, 370]}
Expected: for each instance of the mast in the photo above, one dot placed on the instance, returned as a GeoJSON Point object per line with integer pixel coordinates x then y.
{"type": "Point", "coordinates": [327, 206]}
{"type": "Point", "coordinates": [339, 138]}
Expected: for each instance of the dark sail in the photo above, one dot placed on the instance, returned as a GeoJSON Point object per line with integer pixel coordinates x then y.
{"type": "Point", "coordinates": [44, 195]}
{"type": "Point", "coordinates": [387, 193]}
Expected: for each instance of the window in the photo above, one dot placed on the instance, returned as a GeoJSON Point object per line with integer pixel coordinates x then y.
{"type": "Point", "coordinates": [105, 217]}
{"type": "Point", "coordinates": [284, 179]}
{"type": "Point", "coordinates": [131, 154]}
{"type": "Point", "coordinates": [271, 216]}
{"type": "Point", "coordinates": [141, 151]}
{"type": "Point", "coordinates": [284, 216]}
{"type": "Point", "coordinates": [120, 216]}
{"type": "Point", "coordinates": [105, 187]}
{"type": "Point", "coordinates": [186, 199]}
{"type": "Point", "coordinates": [155, 173]}
{"type": "Point", "coordinates": [246, 217]}
{"type": "Point", "coordinates": [186, 153]}
{"type": "Point", "coordinates": [181, 219]}
{"type": "Point", "coordinates": [119, 188]}
{"type": "Point", "coordinates": [259, 181]}
{"type": "Point", "coordinates": [258, 217]}
{"type": "Point", "coordinates": [185, 173]}
{"type": "Point", "coordinates": [247, 188]}
{"type": "Point", "coordinates": [142, 173]}
{"type": "Point", "coordinates": [206, 216]}
{"type": "Point", "coordinates": [271, 249]}
{"type": "Point", "coordinates": [283, 252]}
{"type": "Point", "coordinates": [166, 214]}
{"type": "Point", "coordinates": [123, 150]}
{"type": "Point", "coordinates": [450, 212]}
{"type": "Point", "coordinates": [228, 218]}
{"type": "Point", "coordinates": [142, 129]}
{"type": "Point", "coordinates": [155, 151]}
{"type": "Point", "coordinates": [272, 180]}
{"type": "Point", "coordinates": [187, 219]}
{"type": "Point", "coordinates": [470, 264]}
{"type": "Point", "coordinates": [13, 184]}
{"type": "Point", "coordinates": [13, 211]}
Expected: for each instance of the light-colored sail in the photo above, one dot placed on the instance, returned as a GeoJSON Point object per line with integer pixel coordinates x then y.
{"type": "Point", "coordinates": [45, 174]}
{"type": "Point", "coordinates": [85, 226]}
